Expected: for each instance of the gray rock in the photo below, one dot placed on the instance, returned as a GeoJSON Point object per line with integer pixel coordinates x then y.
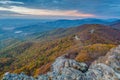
{"type": "Point", "coordinates": [101, 71]}
{"type": "Point", "coordinates": [62, 62]}
{"type": "Point", "coordinates": [22, 76]}
{"type": "Point", "coordinates": [112, 59]}
{"type": "Point", "coordinates": [43, 77]}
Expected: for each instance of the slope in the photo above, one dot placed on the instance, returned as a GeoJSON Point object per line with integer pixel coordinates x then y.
{"type": "Point", "coordinates": [36, 55]}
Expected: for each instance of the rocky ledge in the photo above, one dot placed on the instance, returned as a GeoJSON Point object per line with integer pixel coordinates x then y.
{"type": "Point", "coordinates": [105, 68]}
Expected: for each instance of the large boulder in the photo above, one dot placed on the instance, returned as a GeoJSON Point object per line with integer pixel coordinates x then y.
{"type": "Point", "coordinates": [112, 60]}
{"type": "Point", "coordinates": [62, 62]}
{"type": "Point", "coordinates": [101, 71]}
{"type": "Point", "coordinates": [67, 69]}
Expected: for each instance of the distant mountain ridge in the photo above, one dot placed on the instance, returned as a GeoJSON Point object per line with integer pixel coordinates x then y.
{"type": "Point", "coordinates": [23, 28]}
{"type": "Point", "coordinates": [87, 30]}
{"type": "Point", "coordinates": [116, 24]}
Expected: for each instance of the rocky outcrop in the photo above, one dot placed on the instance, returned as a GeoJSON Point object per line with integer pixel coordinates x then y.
{"type": "Point", "coordinates": [67, 69]}
{"type": "Point", "coordinates": [109, 65]}
{"type": "Point", "coordinates": [105, 68]}
{"type": "Point", "coordinates": [22, 76]}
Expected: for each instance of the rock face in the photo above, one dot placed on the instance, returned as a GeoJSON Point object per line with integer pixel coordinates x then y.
{"type": "Point", "coordinates": [111, 60]}
{"type": "Point", "coordinates": [105, 68]}
{"type": "Point", "coordinates": [22, 76]}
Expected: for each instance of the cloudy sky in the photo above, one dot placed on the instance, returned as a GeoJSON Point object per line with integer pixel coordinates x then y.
{"type": "Point", "coordinates": [72, 9]}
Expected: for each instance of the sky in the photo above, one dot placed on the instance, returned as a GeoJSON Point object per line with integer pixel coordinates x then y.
{"type": "Point", "coordinates": [59, 9]}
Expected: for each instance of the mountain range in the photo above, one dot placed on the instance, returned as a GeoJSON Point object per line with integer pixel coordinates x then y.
{"type": "Point", "coordinates": [20, 28]}
{"type": "Point", "coordinates": [116, 24]}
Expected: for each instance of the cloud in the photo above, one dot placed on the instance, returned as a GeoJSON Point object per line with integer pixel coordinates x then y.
{"type": "Point", "coordinates": [10, 2]}
{"type": "Point", "coordinates": [45, 12]}
{"type": "Point", "coordinates": [100, 8]}
{"type": "Point", "coordinates": [18, 32]}
{"type": "Point", "coordinates": [8, 28]}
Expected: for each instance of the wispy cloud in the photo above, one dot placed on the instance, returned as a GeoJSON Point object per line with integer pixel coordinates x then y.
{"type": "Point", "coordinates": [45, 12]}
{"type": "Point", "coordinates": [10, 2]}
